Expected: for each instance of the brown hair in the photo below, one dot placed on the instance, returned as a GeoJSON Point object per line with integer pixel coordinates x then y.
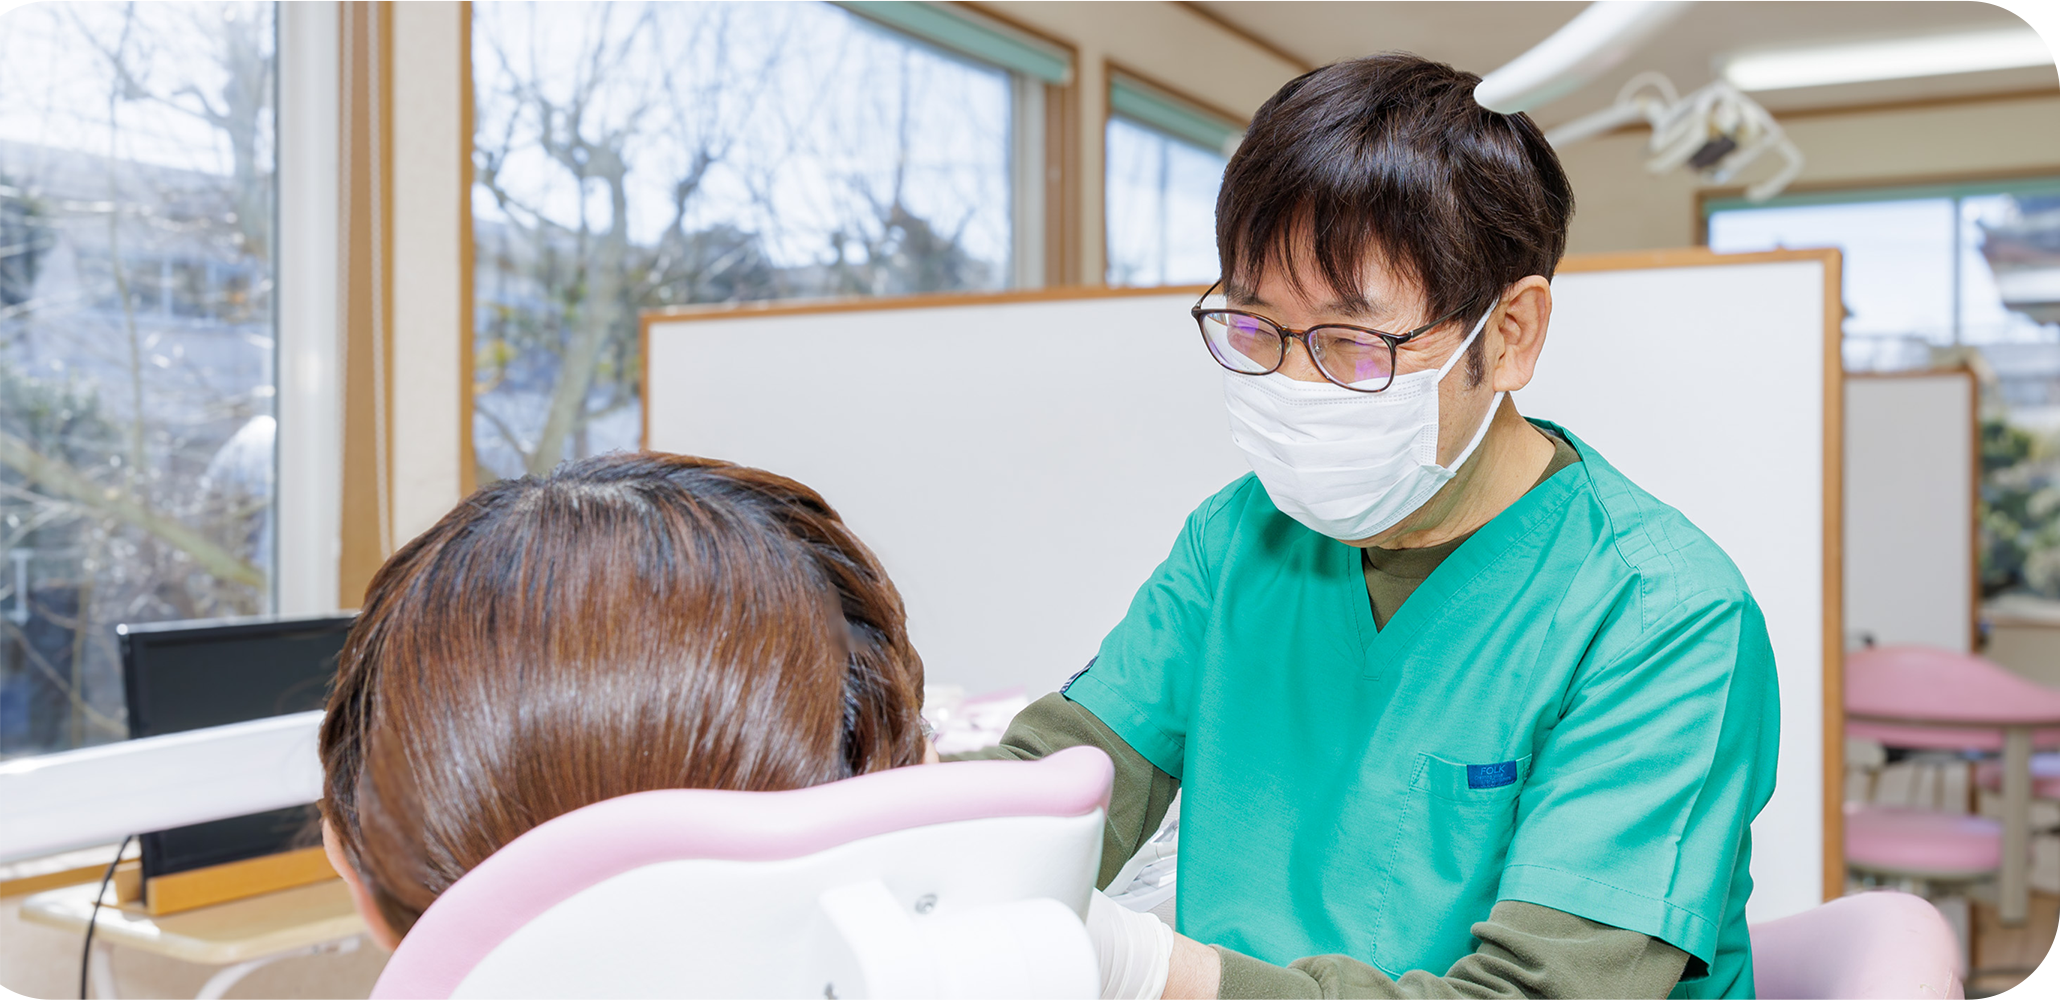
{"type": "Point", "coordinates": [1389, 160]}
{"type": "Point", "coordinates": [626, 623]}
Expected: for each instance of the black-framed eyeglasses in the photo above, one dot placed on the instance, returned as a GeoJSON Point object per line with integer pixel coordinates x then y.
{"type": "Point", "coordinates": [1354, 357]}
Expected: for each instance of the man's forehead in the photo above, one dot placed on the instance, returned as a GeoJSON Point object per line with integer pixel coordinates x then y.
{"type": "Point", "coordinates": [1317, 293]}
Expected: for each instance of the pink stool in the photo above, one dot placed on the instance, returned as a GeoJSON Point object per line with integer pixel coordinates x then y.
{"type": "Point", "coordinates": [948, 880]}
{"type": "Point", "coordinates": [1936, 854]}
{"type": "Point", "coordinates": [1920, 844]}
{"type": "Point", "coordinates": [1917, 696]}
{"type": "Point", "coordinates": [1874, 944]}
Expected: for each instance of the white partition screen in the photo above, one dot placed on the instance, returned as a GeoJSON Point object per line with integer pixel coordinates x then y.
{"type": "Point", "coordinates": [1020, 463]}
{"type": "Point", "coordinates": [1911, 449]}
{"type": "Point", "coordinates": [1713, 382]}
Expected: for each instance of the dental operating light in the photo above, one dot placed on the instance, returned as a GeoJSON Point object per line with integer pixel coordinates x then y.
{"type": "Point", "coordinates": [1715, 132]}
{"type": "Point", "coordinates": [1593, 43]}
{"type": "Point", "coordinates": [1887, 59]}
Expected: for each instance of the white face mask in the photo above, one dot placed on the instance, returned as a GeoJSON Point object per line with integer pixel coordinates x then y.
{"type": "Point", "coordinates": [1347, 464]}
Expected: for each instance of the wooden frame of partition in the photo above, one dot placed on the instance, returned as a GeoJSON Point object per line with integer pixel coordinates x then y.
{"type": "Point", "coordinates": [1833, 639]}
{"type": "Point", "coordinates": [678, 314]}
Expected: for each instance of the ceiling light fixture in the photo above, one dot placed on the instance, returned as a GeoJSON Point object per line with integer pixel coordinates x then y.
{"type": "Point", "coordinates": [1889, 59]}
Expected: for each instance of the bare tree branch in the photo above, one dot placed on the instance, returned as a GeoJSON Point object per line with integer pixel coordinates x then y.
{"type": "Point", "coordinates": [63, 480]}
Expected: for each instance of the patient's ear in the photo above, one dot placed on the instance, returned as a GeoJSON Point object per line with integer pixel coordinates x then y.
{"type": "Point", "coordinates": [375, 924]}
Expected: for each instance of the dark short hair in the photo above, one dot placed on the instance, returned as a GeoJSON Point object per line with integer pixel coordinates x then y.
{"type": "Point", "coordinates": [1388, 160]}
{"type": "Point", "coordinates": [626, 623]}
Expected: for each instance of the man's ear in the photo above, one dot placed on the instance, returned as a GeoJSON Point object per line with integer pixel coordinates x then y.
{"type": "Point", "coordinates": [1519, 334]}
{"type": "Point", "coordinates": [375, 924]}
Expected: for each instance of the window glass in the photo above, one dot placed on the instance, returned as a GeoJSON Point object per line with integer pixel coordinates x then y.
{"type": "Point", "coordinates": [633, 156]}
{"type": "Point", "coordinates": [136, 371]}
{"type": "Point", "coordinates": [1898, 259]}
{"type": "Point", "coordinates": [1160, 203]}
{"type": "Point", "coordinates": [1957, 279]}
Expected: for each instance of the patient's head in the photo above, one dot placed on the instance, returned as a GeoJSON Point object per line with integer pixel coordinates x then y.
{"type": "Point", "coordinates": [626, 623]}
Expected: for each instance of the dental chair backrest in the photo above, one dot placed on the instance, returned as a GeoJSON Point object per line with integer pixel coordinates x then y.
{"type": "Point", "coordinates": [967, 879]}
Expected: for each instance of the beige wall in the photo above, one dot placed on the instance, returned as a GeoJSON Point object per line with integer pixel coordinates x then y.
{"type": "Point", "coordinates": [1164, 42]}
{"type": "Point", "coordinates": [430, 323]}
{"type": "Point", "coordinates": [1621, 207]}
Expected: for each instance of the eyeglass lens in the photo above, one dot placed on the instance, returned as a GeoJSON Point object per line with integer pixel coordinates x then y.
{"type": "Point", "coordinates": [1253, 346]}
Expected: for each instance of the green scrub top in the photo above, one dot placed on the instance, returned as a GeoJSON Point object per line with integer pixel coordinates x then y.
{"type": "Point", "coordinates": [1577, 709]}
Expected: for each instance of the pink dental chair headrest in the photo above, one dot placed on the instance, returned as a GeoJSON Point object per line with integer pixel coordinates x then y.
{"type": "Point", "coordinates": [744, 882]}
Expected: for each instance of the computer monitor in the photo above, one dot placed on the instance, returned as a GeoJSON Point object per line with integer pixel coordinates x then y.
{"type": "Point", "coordinates": [192, 674]}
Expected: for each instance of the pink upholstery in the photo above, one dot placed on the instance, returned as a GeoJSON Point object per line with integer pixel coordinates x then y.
{"type": "Point", "coordinates": [2045, 775]}
{"type": "Point", "coordinates": [559, 858]}
{"type": "Point", "coordinates": [1921, 843]}
{"type": "Point", "coordinates": [1927, 685]}
{"type": "Point", "coordinates": [1875, 944]}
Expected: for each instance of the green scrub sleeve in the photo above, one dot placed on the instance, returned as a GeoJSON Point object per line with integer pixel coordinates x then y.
{"type": "Point", "coordinates": [1142, 793]}
{"type": "Point", "coordinates": [1526, 950]}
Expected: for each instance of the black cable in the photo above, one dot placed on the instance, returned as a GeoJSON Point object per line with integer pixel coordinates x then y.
{"type": "Point", "coordinates": [86, 955]}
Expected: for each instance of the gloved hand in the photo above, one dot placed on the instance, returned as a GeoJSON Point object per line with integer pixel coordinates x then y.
{"type": "Point", "coordinates": [1136, 950]}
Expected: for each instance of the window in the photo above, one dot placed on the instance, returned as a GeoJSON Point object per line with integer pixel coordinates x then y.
{"type": "Point", "coordinates": [634, 156]}
{"type": "Point", "coordinates": [136, 343]}
{"type": "Point", "coordinates": [1164, 162]}
{"type": "Point", "coordinates": [1944, 276]}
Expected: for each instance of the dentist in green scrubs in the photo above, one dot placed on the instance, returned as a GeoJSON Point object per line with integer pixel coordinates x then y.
{"type": "Point", "coordinates": [1457, 708]}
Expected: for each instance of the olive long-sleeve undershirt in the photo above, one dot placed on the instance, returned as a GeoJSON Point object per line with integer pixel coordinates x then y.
{"type": "Point", "coordinates": [1394, 574]}
{"type": "Point", "coordinates": [1525, 950]}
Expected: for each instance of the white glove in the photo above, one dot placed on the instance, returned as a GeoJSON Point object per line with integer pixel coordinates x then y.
{"type": "Point", "coordinates": [1136, 950]}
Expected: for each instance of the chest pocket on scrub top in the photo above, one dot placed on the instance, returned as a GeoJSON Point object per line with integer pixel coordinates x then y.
{"type": "Point", "coordinates": [1452, 832]}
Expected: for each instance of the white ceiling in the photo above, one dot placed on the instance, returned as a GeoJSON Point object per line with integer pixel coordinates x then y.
{"type": "Point", "coordinates": [1482, 35]}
